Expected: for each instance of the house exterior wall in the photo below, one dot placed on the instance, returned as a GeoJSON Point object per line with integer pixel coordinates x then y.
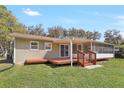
{"type": "Point", "coordinates": [102, 51]}
{"type": "Point", "coordinates": [23, 51]}
{"type": "Point", "coordinates": [103, 56]}
{"type": "Point", "coordinates": [101, 48]}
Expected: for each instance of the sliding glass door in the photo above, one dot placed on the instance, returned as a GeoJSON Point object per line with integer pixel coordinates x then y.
{"type": "Point", "coordinates": [64, 50]}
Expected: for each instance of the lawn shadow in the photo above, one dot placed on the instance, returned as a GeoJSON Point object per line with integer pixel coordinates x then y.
{"type": "Point", "coordinates": [52, 65]}
{"type": "Point", "coordinates": [60, 65]}
{"type": "Point", "coordinates": [8, 65]}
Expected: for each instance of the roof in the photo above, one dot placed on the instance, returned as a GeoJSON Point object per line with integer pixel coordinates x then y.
{"type": "Point", "coordinates": [79, 40]}
{"type": "Point", "coordinates": [74, 40]}
{"type": "Point", "coordinates": [55, 40]}
{"type": "Point", "coordinates": [32, 37]}
{"type": "Point", "coordinates": [120, 46]}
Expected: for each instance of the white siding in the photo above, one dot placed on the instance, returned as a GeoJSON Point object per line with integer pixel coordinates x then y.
{"type": "Point", "coordinates": [100, 56]}
{"type": "Point", "coordinates": [105, 55]}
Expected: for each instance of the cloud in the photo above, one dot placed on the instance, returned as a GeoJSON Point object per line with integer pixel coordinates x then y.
{"type": "Point", "coordinates": [30, 12]}
{"type": "Point", "coordinates": [120, 20]}
{"type": "Point", "coordinates": [122, 34]}
{"type": "Point", "coordinates": [120, 24]}
{"type": "Point", "coordinates": [67, 20]}
{"type": "Point", "coordinates": [98, 14]}
{"type": "Point", "coordinates": [120, 17]}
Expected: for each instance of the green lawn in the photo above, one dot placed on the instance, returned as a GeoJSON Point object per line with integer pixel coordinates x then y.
{"type": "Point", "coordinates": [45, 75]}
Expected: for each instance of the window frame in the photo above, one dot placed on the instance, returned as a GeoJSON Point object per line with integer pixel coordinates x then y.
{"type": "Point", "coordinates": [37, 45]}
{"type": "Point", "coordinates": [64, 53]}
{"type": "Point", "coordinates": [50, 47]}
{"type": "Point", "coordinates": [77, 48]}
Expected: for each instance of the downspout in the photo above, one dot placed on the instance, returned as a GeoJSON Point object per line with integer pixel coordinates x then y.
{"type": "Point", "coordinates": [71, 51]}
{"type": "Point", "coordinates": [94, 48]}
{"type": "Point", "coordinates": [91, 46]}
{"type": "Point", "coordinates": [71, 56]}
{"type": "Point", "coordinates": [14, 55]}
{"type": "Point", "coordinates": [113, 51]}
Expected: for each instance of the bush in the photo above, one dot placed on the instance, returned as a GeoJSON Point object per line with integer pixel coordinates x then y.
{"type": "Point", "coordinates": [119, 55]}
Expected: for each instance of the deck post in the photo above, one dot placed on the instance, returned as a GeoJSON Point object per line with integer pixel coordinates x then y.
{"type": "Point", "coordinates": [82, 47]}
{"type": "Point", "coordinates": [14, 56]}
{"type": "Point", "coordinates": [94, 48]}
{"type": "Point", "coordinates": [91, 46]}
{"type": "Point", "coordinates": [113, 51]}
{"type": "Point", "coordinates": [71, 54]}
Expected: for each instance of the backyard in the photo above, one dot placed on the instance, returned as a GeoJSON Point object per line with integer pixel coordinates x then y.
{"type": "Point", "coordinates": [51, 76]}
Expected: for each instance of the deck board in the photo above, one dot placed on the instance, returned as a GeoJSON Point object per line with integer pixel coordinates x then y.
{"type": "Point", "coordinates": [60, 61]}
{"type": "Point", "coordinates": [32, 61]}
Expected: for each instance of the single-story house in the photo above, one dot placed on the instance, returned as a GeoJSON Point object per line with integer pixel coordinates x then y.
{"type": "Point", "coordinates": [28, 46]}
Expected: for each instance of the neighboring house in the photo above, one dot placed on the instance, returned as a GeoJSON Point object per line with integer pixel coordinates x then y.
{"type": "Point", "coordinates": [34, 47]}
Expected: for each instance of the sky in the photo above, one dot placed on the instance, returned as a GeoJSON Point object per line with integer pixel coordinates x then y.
{"type": "Point", "coordinates": [99, 18]}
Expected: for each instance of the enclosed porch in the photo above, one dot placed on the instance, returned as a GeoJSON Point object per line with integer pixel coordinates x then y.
{"type": "Point", "coordinates": [68, 51]}
{"type": "Point", "coordinates": [68, 47]}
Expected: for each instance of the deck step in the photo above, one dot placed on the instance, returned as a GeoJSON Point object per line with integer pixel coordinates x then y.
{"type": "Point", "coordinates": [88, 64]}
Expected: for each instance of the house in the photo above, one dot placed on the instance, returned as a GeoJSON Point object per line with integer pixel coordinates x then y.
{"type": "Point", "coordinates": [39, 47]}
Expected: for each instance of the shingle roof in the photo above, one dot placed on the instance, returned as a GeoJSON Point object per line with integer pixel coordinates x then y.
{"type": "Point", "coordinates": [32, 37]}
{"type": "Point", "coordinates": [55, 40]}
{"type": "Point", "coordinates": [74, 40]}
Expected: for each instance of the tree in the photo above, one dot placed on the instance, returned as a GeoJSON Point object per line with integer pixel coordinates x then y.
{"type": "Point", "coordinates": [20, 28]}
{"type": "Point", "coordinates": [36, 30]}
{"type": "Point", "coordinates": [74, 32]}
{"type": "Point", "coordinates": [60, 32]}
{"type": "Point", "coordinates": [122, 43]}
{"type": "Point", "coordinates": [113, 36]}
{"type": "Point", "coordinates": [89, 35]}
{"type": "Point", "coordinates": [96, 35]}
{"type": "Point", "coordinates": [57, 32]}
{"type": "Point", "coordinates": [81, 33]}
{"type": "Point", "coordinates": [8, 23]}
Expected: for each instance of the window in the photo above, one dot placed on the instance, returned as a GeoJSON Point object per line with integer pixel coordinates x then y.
{"type": "Point", "coordinates": [76, 47]}
{"type": "Point", "coordinates": [79, 47]}
{"type": "Point", "coordinates": [48, 46]}
{"type": "Point", "coordinates": [64, 50]}
{"type": "Point", "coordinates": [34, 45]}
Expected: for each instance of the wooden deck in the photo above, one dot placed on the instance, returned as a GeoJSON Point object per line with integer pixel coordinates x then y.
{"type": "Point", "coordinates": [33, 61]}
{"type": "Point", "coordinates": [57, 61]}
{"type": "Point", "coordinates": [62, 61]}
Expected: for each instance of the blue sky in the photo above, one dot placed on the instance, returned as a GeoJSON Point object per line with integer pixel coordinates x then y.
{"type": "Point", "coordinates": [91, 18]}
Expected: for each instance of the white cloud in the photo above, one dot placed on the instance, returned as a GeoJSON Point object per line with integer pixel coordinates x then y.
{"type": "Point", "coordinates": [120, 20]}
{"type": "Point", "coordinates": [67, 20]}
{"type": "Point", "coordinates": [120, 17]}
{"type": "Point", "coordinates": [122, 34]}
{"type": "Point", "coordinates": [98, 14]}
{"type": "Point", "coordinates": [30, 12]}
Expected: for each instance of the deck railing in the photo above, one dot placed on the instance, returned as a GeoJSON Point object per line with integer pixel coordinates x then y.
{"type": "Point", "coordinates": [80, 57]}
{"type": "Point", "coordinates": [86, 58]}
{"type": "Point", "coordinates": [92, 57]}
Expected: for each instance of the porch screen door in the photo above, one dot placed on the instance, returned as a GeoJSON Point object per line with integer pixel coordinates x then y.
{"type": "Point", "coordinates": [79, 47]}
{"type": "Point", "coordinates": [64, 50]}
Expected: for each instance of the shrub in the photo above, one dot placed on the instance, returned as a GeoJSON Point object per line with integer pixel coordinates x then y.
{"type": "Point", "coordinates": [119, 55]}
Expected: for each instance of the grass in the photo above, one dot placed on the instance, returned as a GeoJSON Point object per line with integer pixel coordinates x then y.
{"type": "Point", "coordinates": [44, 75]}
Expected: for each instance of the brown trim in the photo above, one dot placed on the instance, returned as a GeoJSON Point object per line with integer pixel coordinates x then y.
{"type": "Point", "coordinates": [54, 40]}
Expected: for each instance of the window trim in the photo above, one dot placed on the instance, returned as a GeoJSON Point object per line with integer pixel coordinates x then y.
{"type": "Point", "coordinates": [77, 47]}
{"type": "Point", "coordinates": [50, 47]}
{"type": "Point", "coordinates": [37, 45]}
{"type": "Point", "coordinates": [60, 50]}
